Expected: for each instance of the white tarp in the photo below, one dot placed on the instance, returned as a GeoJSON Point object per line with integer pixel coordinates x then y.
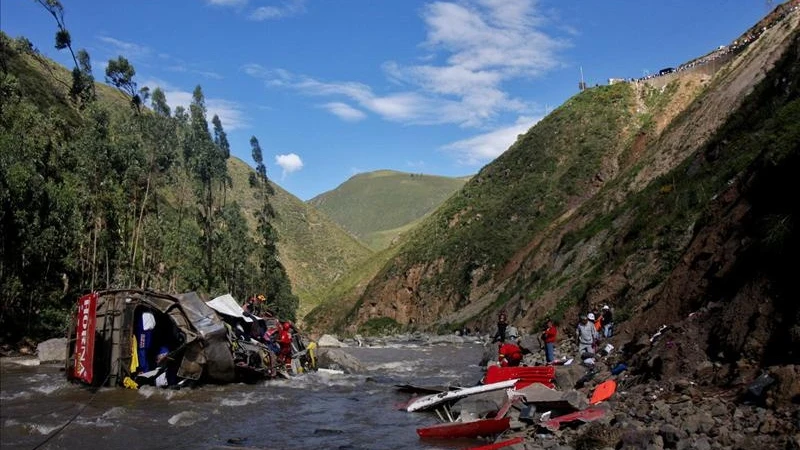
{"type": "Point", "coordinates": [226, 304]}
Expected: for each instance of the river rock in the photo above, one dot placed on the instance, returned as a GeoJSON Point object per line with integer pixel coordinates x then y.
{"type": "Point", "coordinates": [701, 422]}
{"type": "Point", "coordinates": [326, 340]}
{"type": "Point", "coordinates": [702, 443]}
{"type": "Point", "coordinates": [787, 389]}
{"type": "Point", "coordinates": [52, 350]}
{"type": "Point", "coordinates": [671, 434]}
{"type": "Point", "coordinates": [335, 358]}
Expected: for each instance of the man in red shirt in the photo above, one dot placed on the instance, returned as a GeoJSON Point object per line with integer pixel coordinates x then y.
{"type": "Point", "coordinates": [549, 337]}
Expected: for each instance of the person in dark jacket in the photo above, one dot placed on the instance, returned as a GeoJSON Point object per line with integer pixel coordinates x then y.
{"type": "Point", "coordinates": [502, 324]}
{"type": "Point", "coordinates": [608, 322]}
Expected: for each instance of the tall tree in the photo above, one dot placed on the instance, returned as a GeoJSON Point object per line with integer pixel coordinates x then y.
{"type": "Point", "coordinates": [82, 90]}
{"type": "Point", "coordinates": [208, 167]}
{"type": "Point", "coordinates": [234, 248]}
{"type": "Point", "coordinates": [224, 149]}
{"type": "Point", "coordinates": [159, 103]}
{"type": "Point", "coordinates": [83, 80]}
{"type": "Point", "coordinates": [221, 138]}
{"type": "Point", "coordinates": [120, 73]}
{"type": "Point", "coordinates": [276, 283]}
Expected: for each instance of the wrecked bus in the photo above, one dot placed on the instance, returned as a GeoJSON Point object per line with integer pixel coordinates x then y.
{"type": "Point", "coordinates": [130, 337]}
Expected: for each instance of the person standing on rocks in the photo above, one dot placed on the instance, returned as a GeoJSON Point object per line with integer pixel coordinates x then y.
{"type": "Point", "coordinates": [502, 323]}
{"type": "Point", "coordinates": [587, 335]}
{"type": "Point", "coordinates": [608, 322]}
{"type": "Point", "coordinates": [598, 321]}
{"type": "Point", "coordinates": [549, 337]}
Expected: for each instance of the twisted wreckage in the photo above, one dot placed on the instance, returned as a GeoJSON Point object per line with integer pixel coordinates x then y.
{"type": "Point", "coordinates": [526, 388]}
{"type": "Point", "coordinates": [133, 337]}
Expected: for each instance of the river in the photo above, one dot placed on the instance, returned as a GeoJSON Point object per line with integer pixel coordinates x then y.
{"type": "Point", "coordinates": [311, 411]}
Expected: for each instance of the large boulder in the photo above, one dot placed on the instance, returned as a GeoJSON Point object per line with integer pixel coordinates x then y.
{"type": "Point", "coordinates": [480, 405]}
{"type": "Point", "coordinates": [540, 394]}
{"type": "Point", "coordinates": [53, 350]}
{"type": "Point", "coordinates": [787, 387]}
{"type": "Point", "coordinates": [532, 343]}
{"type": "Point", "coordinates": [489, 355]}
{"type": "Point", "coordinates": [326, 340]}
{"type": "Point", "coordinates": [336, 358]}
{"type": "Point", "coordinates": [568, 376]}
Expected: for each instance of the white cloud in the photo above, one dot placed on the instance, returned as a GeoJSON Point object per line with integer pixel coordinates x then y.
{"type": "Point", "coordinates": [230, 113]}
{"type": "Point", "coordinates": [289, 163]}
{"type": "Point", "coordinates": [501, 35]}
{"type": "Point", "coordinates": [204, 73]}
{"type": "Point", "coordinates": [227, 2]}
{"type": "Point", "coordinates": [407, 107]}
{"type": "Point", "coordinates": [472, 48]}
{"type": "Point", "coordinates": [344, 111]}
{"type": "Point", "coordinates": [129, 50]}
{"type": "Point", "coordinates": [482, 148]}
{"type": "Point", "coordinates": [287, 8]}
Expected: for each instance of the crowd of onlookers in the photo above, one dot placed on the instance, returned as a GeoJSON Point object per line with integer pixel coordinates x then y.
{"type": "Point", "coordinates": [590, 331]}
{"type": "Point", "coordinates": [723, 50]}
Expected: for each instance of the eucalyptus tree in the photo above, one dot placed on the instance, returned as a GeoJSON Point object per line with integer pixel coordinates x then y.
{"type": "Point", "coordinates": [120, 73]}
{"type": "Point", "coordinates": [273, 278]}
{"type": "Point", "coordinates": [224, 148]}
{"type": "Point", "coordinates": [208, 166]}
{"type": "Point", "coordinates": [39, 215]}
{"type": "Point", "coordinates": [235, 247]}
{"type": "Point", "coordinates": [82, 90]}
{"type": "Point", "coordinates": [159, 103]}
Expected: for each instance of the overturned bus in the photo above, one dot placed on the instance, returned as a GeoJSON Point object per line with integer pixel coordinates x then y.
{"type": "Point", "coordinates": [131, 337]}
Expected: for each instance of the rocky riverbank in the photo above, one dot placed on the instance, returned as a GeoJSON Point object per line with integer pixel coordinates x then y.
{"type": "Point", "coordinates": [657, 407]}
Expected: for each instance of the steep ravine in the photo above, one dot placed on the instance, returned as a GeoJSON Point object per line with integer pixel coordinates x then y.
{"type": "Point", "coordinates": [625, 238]}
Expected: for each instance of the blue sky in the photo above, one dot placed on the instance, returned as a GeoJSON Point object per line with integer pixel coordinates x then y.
{"type": "Point", "coordinates": [332, 88]}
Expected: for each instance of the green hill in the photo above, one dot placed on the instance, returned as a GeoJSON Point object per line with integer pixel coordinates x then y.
{"type": "Point", "coordinates": [96, 194]}
{"type": "Point", "coordinates": [378, 206]}
{"type": "Point", "coordinates": [654, 197]}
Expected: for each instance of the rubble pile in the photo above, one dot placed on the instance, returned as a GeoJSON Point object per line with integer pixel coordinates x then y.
{"type": "Point", "coordinates": [659, 402]}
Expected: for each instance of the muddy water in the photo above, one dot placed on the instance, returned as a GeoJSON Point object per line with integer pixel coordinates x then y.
{"type": "Point", "coordinates": [308, 412]}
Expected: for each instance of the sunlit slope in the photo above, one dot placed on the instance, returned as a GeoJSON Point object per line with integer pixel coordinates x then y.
{"type": "Point", "coordinates": [377, 206]}
{"type": "Point", "coordinates": [315, 251]}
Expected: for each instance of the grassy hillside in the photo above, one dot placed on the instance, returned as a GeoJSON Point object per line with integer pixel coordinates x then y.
{"type": "Point", "coordinates": [522, 192]}
{"type": "Point", "coordinates": [315, 251]}
{"type": "Point", "coordinates": [377, 206]}
{"type": "Point", "coordinates": [46, 82]}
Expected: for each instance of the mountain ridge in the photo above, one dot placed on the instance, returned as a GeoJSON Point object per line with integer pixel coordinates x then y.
{"type": "Point", "coordinates": [377, 206]}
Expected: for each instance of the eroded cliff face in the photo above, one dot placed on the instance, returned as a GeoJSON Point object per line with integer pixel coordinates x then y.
{"type": "Point", "coordinates": [667, 223]}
